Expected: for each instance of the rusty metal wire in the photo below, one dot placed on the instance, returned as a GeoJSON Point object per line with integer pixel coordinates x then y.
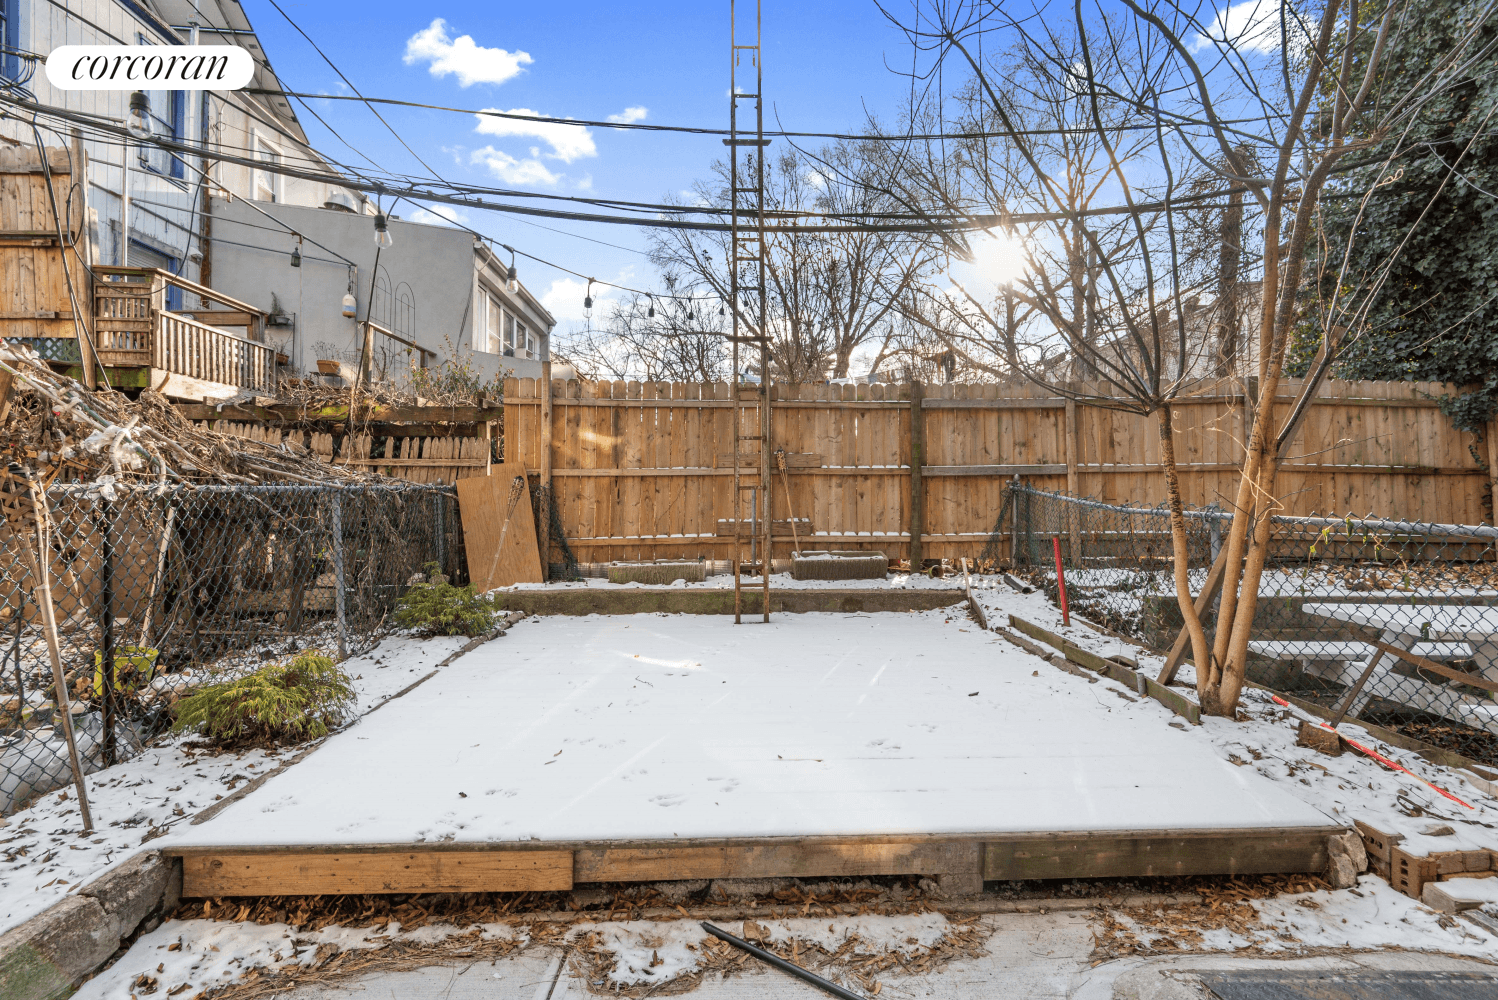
{"type": "Point", "coordinates": [1332, 589]}
{"type": "Point", "coordinates": [179, 586]}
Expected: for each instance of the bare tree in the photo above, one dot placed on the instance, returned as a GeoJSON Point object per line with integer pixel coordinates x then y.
{"type": "Point", "coordinates": [1171, 105]}
{"type": "Point", "coordinates": [829, 294]}
{"type": "Point", "coordinates": [666, 338]}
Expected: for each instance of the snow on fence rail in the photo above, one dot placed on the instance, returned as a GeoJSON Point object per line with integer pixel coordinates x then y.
{"type": "Point", "coordinates": [645, 469]}
{"type": "Point", "coordinates": [179, 586]}
{"type": "Point", "coordinates": [1395, 620]}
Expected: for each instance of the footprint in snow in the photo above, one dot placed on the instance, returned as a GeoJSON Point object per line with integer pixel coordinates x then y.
{"type": "Point", "coordinates": [666, 801]}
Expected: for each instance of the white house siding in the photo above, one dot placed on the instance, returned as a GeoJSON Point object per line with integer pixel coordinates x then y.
{"type": "Point", "coordinates": [435, 270]}
{"type": "Point", "coordinates": [164, 214]}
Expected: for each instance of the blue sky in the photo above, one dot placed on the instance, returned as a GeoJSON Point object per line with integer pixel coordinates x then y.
{"type": "Point", "coordinates": [824, 64]}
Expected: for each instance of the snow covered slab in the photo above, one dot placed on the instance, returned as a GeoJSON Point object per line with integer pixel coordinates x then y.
{"type": "Point", "coordinates": [656, 732]}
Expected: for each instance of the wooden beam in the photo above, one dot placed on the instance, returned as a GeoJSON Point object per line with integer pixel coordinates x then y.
{"type": "Point", "coordinates": [789, 860]}
{"type": "Point", "coordinates": [1182, 645]}
{"type": "Point", "coordinates": [339, 413]}
{"type": "Point", "coordinates": [719, 601]}
{"type": "Point", "coordinates": [1003, 471]}
{"type": "Point", "coordinates": [1110, 855]}
{"type": "Point", "coordinates": [248, 873]}
{"type": "Point", "coordinates": [1146, 686]}
{"type": "Point", "coordinates": [1002, 403]}
{"type": "Point", "coordinates": [915, 521]}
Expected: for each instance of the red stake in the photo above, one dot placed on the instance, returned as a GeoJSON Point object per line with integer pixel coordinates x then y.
{"type": "Point", "coordinates": [1061, 580]}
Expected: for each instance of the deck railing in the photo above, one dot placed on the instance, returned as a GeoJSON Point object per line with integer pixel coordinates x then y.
{"type": "Point", "coordinates": [134, 329]}
{"type": "Point", "coordinates": [197, 350]}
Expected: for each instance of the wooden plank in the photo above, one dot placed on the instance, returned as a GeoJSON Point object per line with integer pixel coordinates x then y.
{"type": "Point", "coordinates": [349, 872]}
{"type": "Point", "coordinates": [1108, 855]}
{"type": "Point", "coordinates": [1004, 403]}
{"type": "Point", "coordinates": [1057, 469]}
{"type": "Point", "coordinates": [482, 503]}
{"type": "Point", "coordinates": [1146, 686]}
{"type": "Point", "coordinates": [786, 860]}
{"type": "Point", "coordinates": [915, 527]}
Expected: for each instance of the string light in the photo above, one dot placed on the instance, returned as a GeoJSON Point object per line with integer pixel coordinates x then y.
{"type": "Point", "coordinates": [588, 298]}
{"type": "Point", "coordinates": [383, 239]}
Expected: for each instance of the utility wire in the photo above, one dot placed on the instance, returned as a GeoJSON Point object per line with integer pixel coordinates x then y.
{"type": "Point", "coordinates": [693, 130]}
{"type": "Point", "coordinates": [468, 197]}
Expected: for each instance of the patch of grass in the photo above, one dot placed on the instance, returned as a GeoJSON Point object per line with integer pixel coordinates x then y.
{"type": "Point", "coordinates": [302, 699]}
{"type": "Point", "coordinates": [438, 608]}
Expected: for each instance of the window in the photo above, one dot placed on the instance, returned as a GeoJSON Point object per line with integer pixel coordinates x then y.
{"type": "Point", "coordinates": [267, 184]}
{"type": "Point", "coordinates": [494, 326]}
{"type": "Point", "coordinates": [10, 37]}
{"type": "Point", "coordinates": [141, 255]}
{"type": "Point", "coordinates": [521, 340]}
{"type": "Point", "coordinates": [168, 120]}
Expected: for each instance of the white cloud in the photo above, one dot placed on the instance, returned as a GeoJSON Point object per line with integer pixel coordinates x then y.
{"type": "Point", "coordinates": [470, 61]}
{"type": "Point", "coordinates": [630, 115]}
{"type": "Point", "coordinates": [513, 171]}
{"type": "Point", "coordinates": [439, 215]}
{"type": "Point", "coordinates": [564, 299]}
{"type": "Point", "coordinates": [1251, 26]}
{"type": "Point", "coordinates": [567, 142]}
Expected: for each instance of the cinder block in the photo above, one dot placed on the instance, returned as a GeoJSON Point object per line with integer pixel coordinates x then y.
{"type": "Point", "coordinates": [1409, 873]}
{"type": "Point", "coordinates": [1378, 844]}
{"type": "Point", "coordinates": [1450, 862]}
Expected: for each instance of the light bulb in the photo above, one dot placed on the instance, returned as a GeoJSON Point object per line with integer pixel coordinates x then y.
{"type": "Point", "coordinates": [650, 313]}
{"type": "Point", "coordinates": [296, 257]}
{"type": "Point", "coordinates": [139, 121]}
{"type": "Point", "coordinates": [350, 307]}
{"type": "Point", "coordinates": [512, 280]}
{"type": "Point", "coordinates": [382, 232]}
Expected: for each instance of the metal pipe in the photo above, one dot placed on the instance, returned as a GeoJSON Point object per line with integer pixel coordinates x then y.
{"type": "Point", "coordinates": [106, 632]}
{"type": "Point", "coordinates": [15, 651]}
{"type": "Point", "coordinates": [771, 958]}
{"type": "Point", "coordinates": [339, 598]}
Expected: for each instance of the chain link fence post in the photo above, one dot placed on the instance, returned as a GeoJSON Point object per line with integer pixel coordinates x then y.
{"type": "Point", "coordinates": [340, 596]}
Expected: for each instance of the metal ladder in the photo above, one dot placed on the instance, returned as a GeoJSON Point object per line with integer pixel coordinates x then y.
{"type": "Point", "coordinates": [746, 274]}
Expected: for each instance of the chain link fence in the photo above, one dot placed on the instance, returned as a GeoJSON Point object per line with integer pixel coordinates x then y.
{"type": "Point", "coordinates": [1339, 600]}
{"type": "Point", "coordinates": [159, 590]}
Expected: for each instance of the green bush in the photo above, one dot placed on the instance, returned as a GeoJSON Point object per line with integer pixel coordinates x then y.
{"type": "Point", "coordinates": [302, 699]}
{"type": "Point", "coordinates": [438, 608]}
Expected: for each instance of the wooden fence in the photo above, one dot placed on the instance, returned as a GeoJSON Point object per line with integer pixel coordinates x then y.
{"type": "Point", "coordinates": [645, 470]}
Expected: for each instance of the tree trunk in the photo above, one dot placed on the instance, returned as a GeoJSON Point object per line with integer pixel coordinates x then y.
{"type": "Point", "coordinates": [1200, 651]}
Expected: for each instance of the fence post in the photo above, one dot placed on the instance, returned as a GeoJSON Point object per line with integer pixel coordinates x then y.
{"type": "Point", "coordinates": [1014, 522]}
{"type": "Point", "coordinates": [442, 532]}
{"type": "Point", "coordinates": [106, 631]}
{"type": "Point", "coordinates": [339, 599]}
{"type": "Point", "coordinates": [917, 487]}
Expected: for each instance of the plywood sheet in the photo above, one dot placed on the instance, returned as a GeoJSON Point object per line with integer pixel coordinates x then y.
{"type": "Point", "coordinates": [483, 502]}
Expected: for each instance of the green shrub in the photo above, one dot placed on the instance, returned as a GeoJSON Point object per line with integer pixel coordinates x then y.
{"type": "Point", "coordinates": [302, 699]}
{"type": "Point", "coordinates": [439, 608]}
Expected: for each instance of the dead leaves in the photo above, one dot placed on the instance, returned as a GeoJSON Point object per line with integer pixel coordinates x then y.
{"type": "Point", "coordinates": [1226, 905]}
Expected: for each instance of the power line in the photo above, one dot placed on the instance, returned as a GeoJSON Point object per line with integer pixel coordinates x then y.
{"type": "Point", "coordinates": [468, 197]}
{"type": "Point", "coordinates": [693, 130]}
